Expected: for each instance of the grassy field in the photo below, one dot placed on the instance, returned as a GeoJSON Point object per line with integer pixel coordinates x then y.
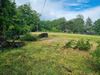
{"type": "Point", "coordinates": [48, 57]}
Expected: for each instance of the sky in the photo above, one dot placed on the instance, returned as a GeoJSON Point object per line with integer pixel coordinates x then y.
{"type": "Point", "coordinates": [55, 9]}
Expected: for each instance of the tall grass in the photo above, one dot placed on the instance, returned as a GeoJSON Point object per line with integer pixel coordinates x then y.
{"type": "Point", "coordinates": [47, 57]}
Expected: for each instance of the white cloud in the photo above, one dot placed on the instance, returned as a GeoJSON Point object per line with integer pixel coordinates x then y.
{"type": "Point", "coordinates": [54, 10]}
{"type": "Point", "coordinates": [73, 4]}
{"type": "Point", "coordinates": [93, 13]}
{"type": "Point", "coordinates": [20, 2]}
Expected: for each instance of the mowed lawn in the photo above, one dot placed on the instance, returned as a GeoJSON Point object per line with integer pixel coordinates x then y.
{"type": "Point", "coordinates": [48, 57]}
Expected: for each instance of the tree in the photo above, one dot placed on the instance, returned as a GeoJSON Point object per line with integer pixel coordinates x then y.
{"type": "Point", "coordinates": [17, 21]}
{"type": "Point", "coordinates": [56, 25]}
{"type": "Point", "coordinates": [80, 16]}
{"type": "Point", "coordinates": [70, 26]}
{"type": "Point", "coordinates": [59, 23]}
{"type": "Point", "coordinates": [79, 24]}
{"type": "Point", "coordinates": [45, 25]}
{"type": "Point", "coordinates": [96, 26]}
{"type": "Point", "coordinates": [88, 25]}
{"type": "Point", "coordinates": [62, 24]}
{"type": "Point", "coordinates": [28, 16]}
{"type": "Point", "coordinates": [8, 9]}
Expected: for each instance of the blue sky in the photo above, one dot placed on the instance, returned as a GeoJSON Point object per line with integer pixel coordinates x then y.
{"type": "Point", "coordinates": [79, 5]}
{"type": "Point", "coordinates": [65, 8]}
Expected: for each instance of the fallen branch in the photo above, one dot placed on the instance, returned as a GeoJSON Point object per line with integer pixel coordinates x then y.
{"type": "Point", "coordinates": [67, 69]}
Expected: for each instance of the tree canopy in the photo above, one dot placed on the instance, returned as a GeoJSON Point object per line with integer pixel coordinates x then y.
{"type": "Point", "coordinates": [23, 19]}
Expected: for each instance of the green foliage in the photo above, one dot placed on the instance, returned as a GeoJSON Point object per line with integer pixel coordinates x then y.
{"type": "Point", "coordinates": [45, 26]}
{"type": "Point", "coordinates": [22, 19]}
{"type": "Point", "coordinates": [28, 16]}
{"type": "Point", "coordinates": [70, 26]}
{"type": "Point", "coordinates": [97, 26]}
{"type": "Point", "coordinates": [29, 37]}
{"type": "Point", "coordinates": [97, 52]}
{"type": "Point", "coordinates": [96, 57]}
{"type": "Point", "coordinates": [17, 21]}
{"type": "Point", "coordinates": [78, 25]}
{"type": "Point", "coordinates": [58, 44]}
{"type": "Point", "coordinates": [83, 45]}
{"type": "Point", "coordinates": [69, 44]}
{"type": "Point", "coordinates": [8, 11]}
{"type": "Point", "coordinates": [88, 24]}
{"type": "Point", "coordinates": [80, 44]}
{"type": "Point", "coordinates": [56, 25]}
{"type": "Point", "coordinates": [98, 42]}
{"type": "Point", "coordinates": [54, 29]}
{"type": "Point", "coordinates": [63, 25]}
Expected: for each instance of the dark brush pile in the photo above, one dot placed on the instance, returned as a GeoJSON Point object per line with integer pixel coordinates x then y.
{"type": "Point", "coordinates": [43, 35]}
{"type": "Point", "coordinates": [13, 44]}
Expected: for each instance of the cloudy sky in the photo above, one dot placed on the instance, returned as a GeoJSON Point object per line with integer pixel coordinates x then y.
{"type": "Point", "coordinates": [65, 8]}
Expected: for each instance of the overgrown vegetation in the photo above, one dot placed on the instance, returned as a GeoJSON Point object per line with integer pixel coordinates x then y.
{"type": "Point", "coordinates": [29, 37]}
{"type": "Point", "coordinates": [48, 57]}
{"type": "Point", "coordinates": [69, 44]}
{"type": "Point", "coordinates": [96, 57]}
{"type": "Point", "coordinates": [80, 44]}
{"type": "Point", "coordinates": [83, 45]}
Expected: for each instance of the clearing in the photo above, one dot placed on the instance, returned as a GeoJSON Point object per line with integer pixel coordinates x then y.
{"type": "Point", "coordinates": [47, 57]}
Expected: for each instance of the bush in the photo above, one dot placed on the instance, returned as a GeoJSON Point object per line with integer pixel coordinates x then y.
{"type": "Point", "coordinates": [29, 37]}
{"type": "Point", "coordinates": [96, 58]}
{"type": "Point", "coordinates": [81, 45]}
{"type": "Point", "coordinates": [69, 44]}
{"type": "Point", "coordinates": [98, 42]}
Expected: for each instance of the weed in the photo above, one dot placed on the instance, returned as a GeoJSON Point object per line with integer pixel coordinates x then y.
{"type": "Point", "coordinates": [69, 44]}
{"type": "Point", "coordinates": [98, 42]}
{"type": "Point", "coordinates": [96, 57]}
{"type": "Point", "coordinates": [58, 44]}
{"type": "Point", "coordinates": [83, 45]}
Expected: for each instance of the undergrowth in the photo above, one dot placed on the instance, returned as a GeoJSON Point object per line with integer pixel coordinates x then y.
{"type": "Point", "coordinates": [83, 45]}
{"type": "Point", "coordinates": [80, 44]}
{"type": "Point", "coordinates": [69, 44]}
{"type": "Point", "coordinates": [29, 37]}
{"type": "Point", "coordinates": [96, 57]}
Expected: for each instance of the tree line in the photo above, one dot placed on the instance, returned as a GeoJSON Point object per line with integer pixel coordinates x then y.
{"type": "Point", "coordinates": [23, 19]}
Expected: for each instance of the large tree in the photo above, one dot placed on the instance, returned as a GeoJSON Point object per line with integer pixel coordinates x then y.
{"type": "Point", "coordinates": [88, 24]}
{"type": "Point", "coordinates": [70, 26]}
{"type": "Point", "coordinates": [45, 25]}
{"type": "Point", "coordinates": [62, 25]}
{"type": "Point", "coordinates": [97, 26]}
{"type": "Point", "coordinates": [28, 16]}
{"type": "Point", "coordinates": [79, 24]}
{"type": "Point", "coordinates": [8, 11]}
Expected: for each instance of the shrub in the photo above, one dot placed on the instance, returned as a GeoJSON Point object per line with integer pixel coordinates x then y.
{"type": "Point", "coordinates": [83, 45]}
{"type": "Point", "coordinates": [69, 44]}
{"type": "Point", "coordinates": [29, 37]}
{"type": "Point", "coordinates": [58, 44]}
{"type": "Point", "coordinates": [98, 42]}
{"type": "Point", "coordinates": [96, 57]}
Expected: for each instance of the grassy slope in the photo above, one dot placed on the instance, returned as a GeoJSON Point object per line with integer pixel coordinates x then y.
{"type": "Point", "coordinates": [45, 57]}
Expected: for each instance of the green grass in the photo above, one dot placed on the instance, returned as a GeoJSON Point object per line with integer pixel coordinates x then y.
{"type": "Point", "coordinates": [46, 57]}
